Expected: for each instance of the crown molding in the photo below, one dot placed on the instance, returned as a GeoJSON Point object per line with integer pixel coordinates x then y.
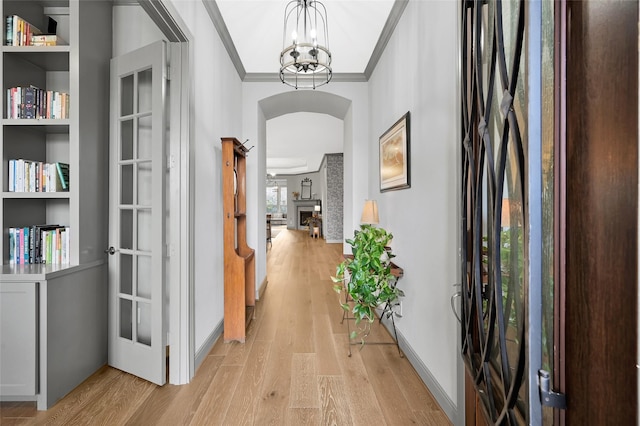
{"type": "Point", "coordinates": [216, 17]}
{"type": "Point", "coordinates": [322, 164]}
{"type": "Point", "coordinates": [274, 77]}
{"type": "Point", "coordinates": [158, 12]}
{"type": "Point", "coordinates": [389, 27]}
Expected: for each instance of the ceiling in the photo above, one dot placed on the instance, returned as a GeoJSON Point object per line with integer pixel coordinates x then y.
{"type": "Point", "coordinates": [256, 29]}
{"type": "Point", "coordinates": [252, 32]}
{"type": "Point", "coordinates": [297, 143]}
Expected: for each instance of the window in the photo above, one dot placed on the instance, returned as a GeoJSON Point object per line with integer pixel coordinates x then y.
{"type": "Point", "coordinates": [277, 197]}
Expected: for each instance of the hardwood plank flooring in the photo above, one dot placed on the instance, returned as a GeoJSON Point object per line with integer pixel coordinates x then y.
{"type": "Point", "coordinates": [293, 368]}
{"type": "Point", "coordinates": [304, 387]}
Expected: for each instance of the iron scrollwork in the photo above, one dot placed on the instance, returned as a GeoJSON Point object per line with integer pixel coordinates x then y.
{"type": "Point", "coordinates": [493, 213]}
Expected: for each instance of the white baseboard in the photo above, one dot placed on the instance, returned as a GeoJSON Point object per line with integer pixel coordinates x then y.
{"type": "Point", "coordinates": [206, 347]}
{"type": "Point", "coordinates": [262, 288]}
{"type": "Point", "coordinates": [447, 405]}
{"type": "Point", "coordinates": [333, 241]}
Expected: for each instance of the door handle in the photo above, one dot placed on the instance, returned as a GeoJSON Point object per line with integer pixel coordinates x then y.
{"type": "Point", "coordinates": [453, 303]}
{"type": "Point", "coordinates": [110, 251]}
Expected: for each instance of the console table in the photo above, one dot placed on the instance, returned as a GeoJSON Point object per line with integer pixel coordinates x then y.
{"type": "Point", "coordinates": [397, 272]}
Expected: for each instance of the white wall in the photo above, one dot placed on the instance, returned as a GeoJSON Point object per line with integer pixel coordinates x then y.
{"type": "Point", "coordinates": [423, 218]}
{"type": "Point", "coordinates": [132, 29]}
{"type": "Point", "coordinates": [216, 99]}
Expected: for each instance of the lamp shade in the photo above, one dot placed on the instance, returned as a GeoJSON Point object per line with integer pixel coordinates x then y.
{"type": "Point", "coordinates": [370, 212]}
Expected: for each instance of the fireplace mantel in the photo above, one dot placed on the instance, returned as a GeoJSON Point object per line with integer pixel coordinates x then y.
{"type": "Point", "coordinates": [306, 202]}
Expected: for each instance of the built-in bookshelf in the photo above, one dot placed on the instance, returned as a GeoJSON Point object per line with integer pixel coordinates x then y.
{"type": "Point", "coordinates": [37, 132]}
{"type": "Point", "coordinates": [54, 124]}
{"type": "Point", "coordinates": [55, 111]}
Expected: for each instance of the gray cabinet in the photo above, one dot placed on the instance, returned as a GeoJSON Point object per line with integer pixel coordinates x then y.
{"type": "Point", "coordinates": [53, 330]}
{"type": "Point", "coordinates": [18, 338]}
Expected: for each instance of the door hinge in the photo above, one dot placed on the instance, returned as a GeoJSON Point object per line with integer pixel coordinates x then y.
{"type": "Point", "coordinates": [549, 398]}
{"type": "Point", "coordinates": [168, 73]}
{"type": "Point", "coordinates": [171, 162]}
{"type": "Point", "coordinates": [168, 251]}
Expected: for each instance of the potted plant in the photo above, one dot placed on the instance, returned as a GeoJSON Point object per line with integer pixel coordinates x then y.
{"type": "Point", "coordinates": [367, 278]}
{"type": "Point", "coordinates": [295, 194]}
{"type": "Point", "coordinates": [314, 223]}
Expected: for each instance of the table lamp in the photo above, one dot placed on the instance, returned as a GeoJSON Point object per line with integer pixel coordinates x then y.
{"type": "Point", "coordinates": [370, 213]}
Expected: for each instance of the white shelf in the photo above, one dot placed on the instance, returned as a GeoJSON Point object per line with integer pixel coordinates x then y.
{"type": "Point", "coordinates": [35, 122]}
{"type": "Point", "coordinates": [36, 195]}
{"type": "Point", "coordinates": [40, 272]}
{"type": "Point", "coordinates": [35, 49]}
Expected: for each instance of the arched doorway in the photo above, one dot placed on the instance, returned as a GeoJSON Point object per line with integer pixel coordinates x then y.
{"type": "Point", "coordinates": [291, 102]}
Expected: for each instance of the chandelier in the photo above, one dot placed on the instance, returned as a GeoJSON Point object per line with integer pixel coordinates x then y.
{"type": "Point", "coordinates": [305, 60]}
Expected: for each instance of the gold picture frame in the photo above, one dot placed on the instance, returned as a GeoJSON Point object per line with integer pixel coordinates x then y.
{"type": "Point", "coordinates": [395, 161]}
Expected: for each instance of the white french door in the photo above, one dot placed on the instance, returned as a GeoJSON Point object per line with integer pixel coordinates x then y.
{"type": "Point", "coordinates": [137, 335]}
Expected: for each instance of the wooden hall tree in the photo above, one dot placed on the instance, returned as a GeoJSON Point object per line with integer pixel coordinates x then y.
{"type": "Point", "coordinates": [239, 258]}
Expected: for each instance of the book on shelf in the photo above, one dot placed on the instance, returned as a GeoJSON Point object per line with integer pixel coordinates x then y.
{"type": "Point", "coordinates": [47, 40]}
{"type": "Point", "coordinates": [31, 102]}
{"type": "Point", "coordinates": [37, 176]}
{"type": "Point", "coordinates": [35, 244]}
{"type": "Point", "coordinates": [63, 176]}
{"type": "Point", "coordinates": [12, 174]}
{"type": "Point", "coordinates": [19, 32]}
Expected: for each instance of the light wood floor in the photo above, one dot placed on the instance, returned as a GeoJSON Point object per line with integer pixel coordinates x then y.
{"type": "Point", "coordinates": [292, 370]}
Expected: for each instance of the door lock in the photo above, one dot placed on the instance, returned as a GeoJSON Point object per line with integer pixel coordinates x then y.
{"type": "Point", "coordinates": [110, 251]}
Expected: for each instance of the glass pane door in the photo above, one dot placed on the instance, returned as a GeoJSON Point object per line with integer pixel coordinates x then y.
{"type": "Point", "coordinates": [136, 271]}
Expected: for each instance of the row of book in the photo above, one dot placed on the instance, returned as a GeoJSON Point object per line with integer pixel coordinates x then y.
{"type": "Point", "coordinates": [37, 176]}
{"type": "Point", "coordinates": [39, 244]}
{"type": "Point", "coordinates": [32, 102]}
{"type": "Point", "coordinates": [20, 32]}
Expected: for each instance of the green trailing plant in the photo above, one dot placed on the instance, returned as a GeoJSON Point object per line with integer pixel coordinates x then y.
{"type": "Point", "coordinates": [313, 221]}
{"type": "Point", "coordinates": [511, 272]}
{"type": "Point", "coordinates": [367, 277]}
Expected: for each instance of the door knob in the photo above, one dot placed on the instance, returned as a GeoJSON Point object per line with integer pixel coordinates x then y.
{"type": "Point", "coordinates": [110, 251]}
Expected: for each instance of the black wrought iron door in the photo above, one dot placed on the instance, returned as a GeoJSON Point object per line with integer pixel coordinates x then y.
{"type": "Point", "coordinates": [494, 208]}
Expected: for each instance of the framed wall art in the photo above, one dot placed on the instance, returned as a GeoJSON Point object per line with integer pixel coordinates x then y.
{"type": "Point", "coordinates": [395, 160]}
